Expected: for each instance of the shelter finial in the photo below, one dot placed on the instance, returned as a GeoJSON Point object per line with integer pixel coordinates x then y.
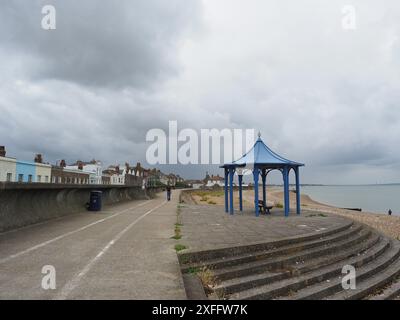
{"type": "Point", "coordinates": [259, 134]}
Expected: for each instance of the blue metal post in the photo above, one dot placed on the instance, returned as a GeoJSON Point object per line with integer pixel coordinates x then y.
{"type": "Point", "coordinates": [255, 175]}
{"type": "Point", "coordinates": [264, 179]}
{"type": "Point", "coordinates": [286, 190]}
{"type": "Point", "coordinates": [231, 173]}
{"type": "Point", "coordinates": [240, 192]}
{"type": "Point", "coordinates": [298, 207]}
{"type": "Point", "coordinates": [226, 190]}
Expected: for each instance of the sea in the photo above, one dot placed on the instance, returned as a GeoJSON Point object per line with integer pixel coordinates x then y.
{"type": "Point", "coordinates": [370, 198]}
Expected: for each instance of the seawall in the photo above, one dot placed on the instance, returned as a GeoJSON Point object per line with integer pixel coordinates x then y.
{"type": "Point", "coordinates": [25, 204]}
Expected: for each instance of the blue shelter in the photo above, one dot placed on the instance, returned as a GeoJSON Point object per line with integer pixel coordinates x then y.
{"type": "Point", "coordinates": [261, 160]}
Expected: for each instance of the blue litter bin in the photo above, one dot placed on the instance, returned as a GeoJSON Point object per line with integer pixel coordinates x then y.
{"type": "Point", "coordinates": [95, 201]}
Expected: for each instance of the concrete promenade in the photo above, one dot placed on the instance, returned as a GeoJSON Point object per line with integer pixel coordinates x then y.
{"type": "Point", "coordinates": [208, 227]}
{"type": "Point", "coordinates": [124, 252]}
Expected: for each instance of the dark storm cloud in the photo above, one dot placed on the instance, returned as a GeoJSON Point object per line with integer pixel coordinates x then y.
{"type": "Point", "coordinates": [100, 43]}
{"type": "Point", "coordinates": [88, 89]}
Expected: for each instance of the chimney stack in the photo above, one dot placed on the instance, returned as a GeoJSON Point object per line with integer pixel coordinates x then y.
{"type": "Point", "coordinates": [80, 165]}
{"type": "Point", "coordinates": [2, 151]}
{"type": "Point", "coordinates": [38, 158]}
{"type": "Point", "coordinates": [63, 164]}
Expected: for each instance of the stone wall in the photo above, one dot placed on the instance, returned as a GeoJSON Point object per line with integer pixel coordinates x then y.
{"type": "Point", "coordinates": [25, 204]}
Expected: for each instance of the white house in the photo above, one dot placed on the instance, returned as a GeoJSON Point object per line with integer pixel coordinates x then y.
{"type": "Point", "coordinates": [43, 173]}
{"type": "Point", "coordinates": [116, 175]}
{"type": "Point", "coordinates": [8, 167]}
{"type": "Point", "coordinates": [196, 184]}
{"type": "Point", "coordinates": [212, 181]}
{"type": "Point", "coordinates": [93, 168]}
{"type": "Point", "coordinates": [164, 179]}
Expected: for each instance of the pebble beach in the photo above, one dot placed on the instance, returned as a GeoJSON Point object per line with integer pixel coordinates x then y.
{"type": "Point", "coordinates": [389, 225]}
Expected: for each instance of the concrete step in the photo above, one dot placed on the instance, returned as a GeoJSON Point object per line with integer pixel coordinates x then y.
{"type": "Point", "coordinates": [288, 286]}
{"type": "Point", "coordinates": [370, 284]}
{"type": "Point", "coordinates": [333, 285]}
{"type": "Point", "coordinates": [190, 259]}
{"type": "Point", "coordinates": [285, 262]}
{"type": "Point", "coordinates": [238, 284]}
{"type": "Point", "coordinates": [392, 291]}
{"type": "Point", "coordinates": [284, 250]}
{"type": "Point", "coordinates": [353, 251]}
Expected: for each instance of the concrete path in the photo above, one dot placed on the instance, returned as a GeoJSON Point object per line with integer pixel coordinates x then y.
{"type": "Point", "coordinates": [208, 227]}
{"type": "Point", "coordinates": [124, 252]}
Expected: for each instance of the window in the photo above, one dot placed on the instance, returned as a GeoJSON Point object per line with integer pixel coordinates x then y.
{"type": "Point", "coordinates": [46, 179]}
{"type": "Point", "coordinates": [9, 177]}
{"type": "Point", "coordinates": [20, 178]}
{"type": "Point", "coordinates": [30, 178]}
{"type": "Point", "coordinates": [39, 179]}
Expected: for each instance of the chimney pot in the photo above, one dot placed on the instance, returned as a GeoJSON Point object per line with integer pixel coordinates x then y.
{"type": "Point", "coordinates": [38, 158]}
{"type": "Point", "coordinates": [80, 165]}
{"type": "Point", "coordinates": [2, 151]}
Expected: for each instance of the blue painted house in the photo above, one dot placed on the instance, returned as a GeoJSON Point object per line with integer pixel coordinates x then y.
{"type": "Point", "coordinates": [25, 171]}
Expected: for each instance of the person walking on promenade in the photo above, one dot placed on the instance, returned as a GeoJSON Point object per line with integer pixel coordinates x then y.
{"type": "Point", "coordinates": [390, 212]}
{"type": "Point", "coordinates": [169, 193]}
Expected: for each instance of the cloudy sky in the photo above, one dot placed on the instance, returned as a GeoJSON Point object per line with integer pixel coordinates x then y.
{"type": "Point", "coordinates": [320, 94]}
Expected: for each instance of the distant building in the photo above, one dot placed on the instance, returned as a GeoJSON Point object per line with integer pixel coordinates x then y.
{"type": "Point", "coordinates": [211, 181]}
{"type": "Point", "coordinates": [139, 171]}
{"type": "Point", "coordinates": [172, 180]}
{"type": "Point", "coordinates": [175, 180]}
{"type": "Point", "coordinates": [43, 171]}
{"type": "Point", "coordinates": [157, 178]}
{"type": "Point", "coordinates": [195, 184]}
{"type": "Point", "coordinates": [62, 175]}
{"type": "Point", "coordinates": [135, 176]}
{"type": "Point", "coordinates": [164, 178]}
{"type": "Point", "coordinates": [93, 168]}
{"type": "Point", "coordinates": [26, 172]}
{"type": "Point", "coordinates": [153, 178]}
{"type": "Point", "coordinates": [8, 167]}
{"type": "Point", "coordinates": [13, 170]}
{"type": "Point", "coordinates": [32, 172]}
{"type": "Point", "coordinates": [115, 174]}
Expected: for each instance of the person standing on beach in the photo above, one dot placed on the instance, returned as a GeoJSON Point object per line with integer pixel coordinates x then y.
{"type": "Point", "coordinates": [390, 212]}
{"type": "Point", "coordinates": [169, 193]}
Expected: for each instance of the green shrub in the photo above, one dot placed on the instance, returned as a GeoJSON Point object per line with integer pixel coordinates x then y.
{"type": "Point", "coordinates": [180, 247]}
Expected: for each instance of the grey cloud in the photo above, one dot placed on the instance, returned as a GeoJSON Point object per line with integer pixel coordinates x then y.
{"type": "Point", "coordinates": [109, 73]}
{"type": "Point", "coordinates": [109, 43]}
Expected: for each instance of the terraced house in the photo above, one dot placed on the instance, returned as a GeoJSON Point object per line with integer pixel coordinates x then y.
{"type": "Point", "coordinates": [93, 168]}
{"type": "Point", "coordinates": [61, 175]}
{"type": "Point", "coordinates": [8, 167]}
{"type": "Point", "coordinates": [42, 171]}
{"type": "Point", "coordinates": [115, 174]}
{"type": "Point", "coordinates": [33, 172]}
